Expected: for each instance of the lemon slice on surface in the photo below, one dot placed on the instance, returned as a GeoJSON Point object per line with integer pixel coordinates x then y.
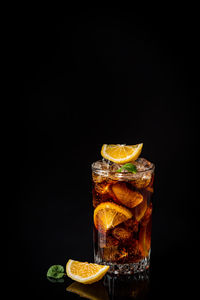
{"type": "Point", "coordinates": [85, 272]}
{"type": "Point", "coordinates": [121, 153]}
{"type": "Point", "coordinates": [107, 215]}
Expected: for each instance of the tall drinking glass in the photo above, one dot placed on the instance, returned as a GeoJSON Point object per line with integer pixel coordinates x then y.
{"type": "Point", "coordinates": [122, 215]}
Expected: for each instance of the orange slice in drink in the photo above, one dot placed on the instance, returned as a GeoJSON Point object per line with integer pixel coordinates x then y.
{"type": "Point", "coordinates": [126, 196]}
{"type": "Point", "coordinates": [85, 272]}
{"type": "Point", "coordinates": [107, 215]}
{"type": "Point", "coordinates": [121, 153]}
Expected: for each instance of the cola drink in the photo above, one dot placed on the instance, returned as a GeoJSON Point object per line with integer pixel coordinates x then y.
{"type": "Point", "coordinates": [122, 203]}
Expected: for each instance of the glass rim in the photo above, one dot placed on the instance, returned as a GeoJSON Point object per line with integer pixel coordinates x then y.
{"type": "Point", "coordinates": [125, 175]}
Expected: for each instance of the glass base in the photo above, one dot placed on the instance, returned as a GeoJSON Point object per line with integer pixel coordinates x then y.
{"type": "Point", "coordinates": [127, 269]}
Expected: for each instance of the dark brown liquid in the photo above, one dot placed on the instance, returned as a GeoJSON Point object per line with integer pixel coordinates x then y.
{"type": "Point", "coordinates": [129, 241]}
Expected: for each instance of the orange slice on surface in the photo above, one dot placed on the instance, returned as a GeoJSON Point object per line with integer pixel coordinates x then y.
{"type": "Point", "coordinates": [121, 153]}
{"type": "Point", "coordinates": [107, 215]}
{"type": "Point", "coordinates": [85, 272]}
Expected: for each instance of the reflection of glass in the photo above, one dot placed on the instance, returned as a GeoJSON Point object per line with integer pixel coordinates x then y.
{"type": "Point", "coordinates": [122, 216]}
{"type": "Point", "coordinates": [114, 287]}
{"type": "Point", "coordinates": [128, 287]}
{"type": "Point", "coordinates": [95, 291]}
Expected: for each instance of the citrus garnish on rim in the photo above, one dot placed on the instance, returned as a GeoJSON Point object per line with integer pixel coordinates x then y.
{"type": "Point", "coordinates": [121, 153]}
{"type": "Point", "coordinates": [107, 215]}
{"type": "Point", "coordinates": [85, 272]}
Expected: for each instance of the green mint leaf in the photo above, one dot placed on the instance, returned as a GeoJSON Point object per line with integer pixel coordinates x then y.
{"type": "Point", "coordinates": [56, 271]}
{"type": "Point", "coordinates": [129, 167]}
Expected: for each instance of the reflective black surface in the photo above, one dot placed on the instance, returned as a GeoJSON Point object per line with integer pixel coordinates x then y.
{"type": "Point", "coordinates": [113, 288]}
{"type": "Point", "coordinates": [160, 283]}
{"type": "Point", "coordinates": [85, 79]}
{"type": "Point", "coordinates": [165, 284]}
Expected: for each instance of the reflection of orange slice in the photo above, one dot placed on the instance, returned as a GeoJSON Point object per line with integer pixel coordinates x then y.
{"type": "Point", "coordinates": [107, 215]}
{"type": "Point", "coordinates": [145, 239]}
{"type": "Point", "coordinates": [150, 189]}
{"type": "Point", "coordinates": [148, 235]}
{"type": "Point", "coordinates": [140, 210]}
{"type": "Point", "coordinates": [145, 219]}
{"type": "Point", "coordinates": [121, 153]}
{"type": "Point", "coordinates": [95, 291]}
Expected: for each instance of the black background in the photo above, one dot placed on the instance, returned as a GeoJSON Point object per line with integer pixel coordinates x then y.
{"type": "Point", "coordinates": [92, 77]}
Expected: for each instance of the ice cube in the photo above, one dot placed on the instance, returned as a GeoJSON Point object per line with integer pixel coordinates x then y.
{"type": "Point", "coordinates": [107, 241]}
{"type": "Point", "coordinates": [143, 164]}
{"type": "Point", "coordinates": [102, 187]}
{"type": "Point", "coordinates": [126, 196]}
{"type": "Point", "coordinates": [102, 166]}
{"type": "Point", "coordinates": [114, 167]}
{"type": "Point", "coordinates": [111, 251]}
{"type": "Point", "coordinates": [142, 180]}
{"type": "Point", "coordinates": [114, 254]}
{"type": "Point", "coordinates": [121, 233]}
{"type": "Point", "coordinates": [97, 178]}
